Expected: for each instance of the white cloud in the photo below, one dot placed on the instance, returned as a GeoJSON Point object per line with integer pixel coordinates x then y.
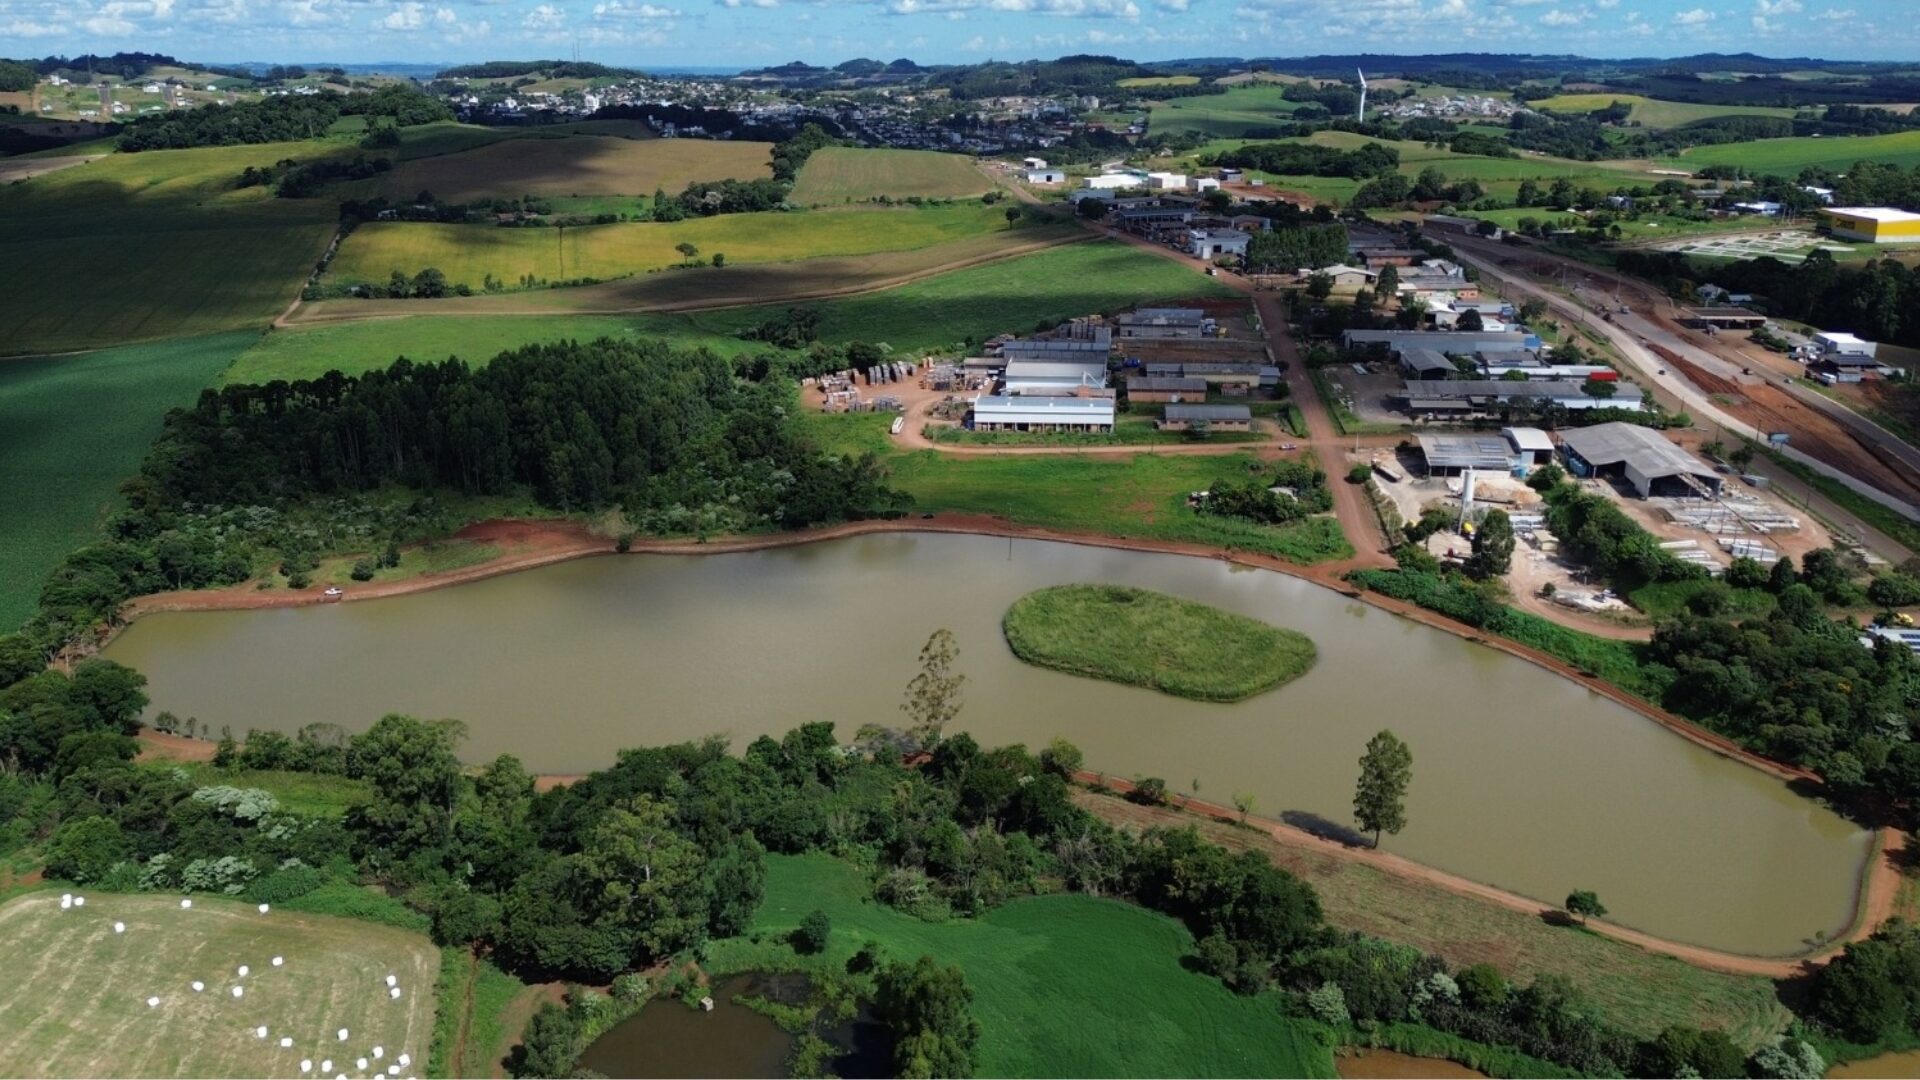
{"type": "Point", "coordinates": [620, 9]}
{"type": "Point", "coordinates": [1693, 17]}
{"type": "Point", "coordinates": [544, 17]}
{"type": "Point", "coordinates": [1557, 17]}
{"type": "Point", "coordinates": [407, 16]}
{"type": "Point", "coordinates": [1091, 9]}
{"type": "Point", "coordinates": [749, 3]}
{"type": "Point", "coordinates": [27, 28]}
{"type": "Point", "coordinates": [1173, 5]}
{"type": "Point", "coordinates": [1776, 7]}
{"type": "Point", "coordinates": [1837, 15]}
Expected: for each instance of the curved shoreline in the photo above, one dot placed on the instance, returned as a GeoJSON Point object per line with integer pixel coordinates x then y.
{"type": "Point", "coordinates": [552, 542]}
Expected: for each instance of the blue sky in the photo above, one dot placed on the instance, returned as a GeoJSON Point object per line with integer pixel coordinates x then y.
{"type": "Point", "coordinates": [757, 32]}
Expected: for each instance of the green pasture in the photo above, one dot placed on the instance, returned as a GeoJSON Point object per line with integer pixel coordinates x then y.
{"type": "Point", "coordinates": [1647, 226]}
{"type": "Point", "coordinates": [1143, 638]}
{"type": "Point", "coordinates": [840, 174]}
{"type": "Point", "coordinates": [468, 253]}
{"type": "Point", "coordinates": [78, 992]}
{"type": "Point", "coordinates": [1652, 112]}
{"type": "Point", "coordinates": [158, 244]}
{"type": "Point", "coordinates": [1062, 985]}
{"type": "Point", "coordinates": [1223, 116]}
{"type": "Point", "coordinates": [71, 429]}
{"type": "Point", "coordinates": [933, 313]}
{"type": "Point", "coordinates": [1786, 157]}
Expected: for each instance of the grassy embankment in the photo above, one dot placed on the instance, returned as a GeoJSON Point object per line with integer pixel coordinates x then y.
{"type": "Point", "coordinates": [77, 992]}
{"type": "Point", "coordinates": [1062, 985]}
{"type": "Point", "coordinates": [1143, 638]}
{"type": "Point", "coordinates": [135, 247]}
{"type": "Point", "coordinates": [71, 429]}
{"type": "Point", "coordinates": [472, 1031]}
{"type": "Point", "coordinates": [1786, 157]}
{"type": "Point", "coordinates": [840, 174]}
{"type": "Point", "coordinates": [467, 254]}
{"type": "Point", "coordinates": [935, 313]}
{"type": "Point", "coordinates": [1653, 112]}
{"type": "Point", "coordinates": [1223, 116]}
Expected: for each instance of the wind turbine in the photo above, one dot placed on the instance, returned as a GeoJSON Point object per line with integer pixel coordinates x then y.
{"type": "Point", "coordinates": [1363, 94]}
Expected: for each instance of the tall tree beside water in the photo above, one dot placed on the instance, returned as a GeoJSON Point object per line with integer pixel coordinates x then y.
{"type": "Point", "coordinates": [1380, 798]}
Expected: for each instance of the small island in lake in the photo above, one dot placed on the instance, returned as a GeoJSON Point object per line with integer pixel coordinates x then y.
{"type": "Point", "coordinates": [1144, 638]}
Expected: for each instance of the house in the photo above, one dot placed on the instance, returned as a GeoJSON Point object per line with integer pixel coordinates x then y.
{"type": "Point", "coordinates": [1042, 414]}
{"type": "Point", "coordinates": [1251, 223]}
{"type": "Point", "coordinates": [1054, 377]}
{"type": "Point", "coordinates": [1896, 635]}
{"type": "Point", "coordinates": [1143, 218]}
{"type": "Point", "coordinates": [1375, 256]}
{"type": "Point", "coordinates": [1641, 456]}
{"type": "Point", "coordinates": [1165, 388]}
{"type": "Point", "coordinates": [1163, 323]}
{"type": "Point", "coordinates": [1344, 276]}
{"type": "Point", "coordinates": [1046, 176]}
{"type": "Point", "coordinates": [1231, 176]}
{"type": "Point", "coordinates": [1209, 417]}
{"type": "Point", "coordinates": [1874, 225]}
{"type": "Point", "coordinates": [1824, 194]}
{"type": "Point", "coordinates": [1763, 208]}
{"type": "Point", "coordinates": [1216, 243]}
{"type": "Point", "coordinates": [1714, 294]}
{"type": "Point", "coordinates": [1034, 162]}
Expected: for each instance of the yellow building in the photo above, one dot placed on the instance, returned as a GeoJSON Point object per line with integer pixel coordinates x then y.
{"type": "Point", "coordinates": [1875, 225]}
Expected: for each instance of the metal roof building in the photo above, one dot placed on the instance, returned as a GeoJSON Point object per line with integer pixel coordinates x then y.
{"type": "Point", "coordinates": [1641, 456]}
{"type": "Point", "coordinates": [1054, 377]}
{"type": "Point", "coordinates": [1467, 395]}
{"type": "Point", "coordinates": [1220, 417]}
{"type": "Point", "coordinates": [1455, 341]}
{"type": "Point", "coordinates": [1448, 454]}
{"type": "Point", "coordinates": [1424, 363]}
{"type": "Point", "coordinates": [1042, 413]}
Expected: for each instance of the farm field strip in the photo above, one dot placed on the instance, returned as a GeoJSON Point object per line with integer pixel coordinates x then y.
{"type": "Point", "coordinates": [578, 165]}
{"type": "Point", "coordinates": [77, 1001]}
{"type": "Point", "coordinates": [1654, 112]}
{"type": "Point", "coordinates": [838, 174]}
{"type": "Point", "coordinates": [468, 254]}
{"type": "Point", "coordinates": [1786, 157]}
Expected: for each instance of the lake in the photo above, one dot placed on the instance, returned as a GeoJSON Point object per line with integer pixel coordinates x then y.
{"type": "Point", "coordinates": [1520, 778]}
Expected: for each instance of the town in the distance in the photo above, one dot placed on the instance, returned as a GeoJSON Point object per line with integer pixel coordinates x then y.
{"type": "Point", "coordinates": [1387, 564]}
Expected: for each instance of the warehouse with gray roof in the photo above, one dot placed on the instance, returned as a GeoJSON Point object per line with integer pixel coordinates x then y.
{"type": "Point", "coordinates": [1642, 457]}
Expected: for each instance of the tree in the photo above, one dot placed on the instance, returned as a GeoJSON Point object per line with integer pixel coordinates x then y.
{"type": "Point", "coordinates": [1533, 311]}
{"type": "Point", "coordinates": [551, 1045]}
{"type": "Point", "coordinates": [1599, 389]}
{"type": "Point", "coordinates": [84, 849]}
{"type": "Point", "coordinates": [1061, 758]}
{"type": "Point", "coordinates": [1013, 216]}
{"type": "Point", "coordinates": [1244, 802]}
{"type": "Point", "coordinates": [719, 260]}
{"type": "Point", "coordinates": [644, 880]}
{"type": "Point", "coordinates": [813, 933]}
{"type": "Point", "coordinates": [1741, 456]}
{"type": "Point", "coordinates": [1688, 1051]}
{"type": "Point", "coordinates": [1585, 904]}
{"type": "Point", "coordinates": [1492, 546]}
{"type": "Point", "coordinates": [1387, 284]}
{"type": "Point", "coordinates": [415, 777]}
{"type": "Point", "coordinates": [1470, 322]}
{"type": "Point", "coordinates": [1320, 286]}
{"type": "Point", "coordinates": [1379, 800]}
{"type": "Point", "coordinates": [929, 1011]}
{"type": "Point", "coordinates": [688, 252]}
{"type": "Point", "coordinates": [933, 697]}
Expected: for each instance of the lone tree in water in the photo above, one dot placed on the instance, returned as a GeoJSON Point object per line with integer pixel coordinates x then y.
{"type": "Point", "coordinates": [1586, 905]}
{"type": "Point", "coordinates": [933, 697]}
{"type": "Point", "coordinates": [1380, 799]}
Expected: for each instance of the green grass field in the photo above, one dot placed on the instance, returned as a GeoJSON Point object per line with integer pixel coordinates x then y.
{"type": "Point", "coordinates": [1644, 227]}
{"type": "Point", "coordinates": [1160, 80]}
{"type": "Point", "coordinates": [142, 246]}
{"type": "Point", "coordinates": [1062, 985]}
{"type": "Point", "coordinates": [839, 174]}
{"type": "Point", "coordinates": [1786, 157]}
{"type": "Point", "coordinates": [76, 1001]}
{"type": "Point", "coordinates": [468, 253]}
{"type": "Point", "coordinates": [575, 165]}
{"type": "Point", "coordinates": [1143, 638]}
{"type": "Point", "coordinates": [1223, 116]}
{"type": "Point", "coordinates": [71, 429]}
{"type": "Point", "coordinates": [934, 313]}
{"type": "Point", "coordinates": [1652, 112]}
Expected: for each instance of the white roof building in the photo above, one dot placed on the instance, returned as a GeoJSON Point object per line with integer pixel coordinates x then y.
{"type": "Point", "coordinates": [1836, 343]}
{"type": "Point", "coordinates": [1046, 377]}
{"type": "Point", "coordinates": [1042, 413]}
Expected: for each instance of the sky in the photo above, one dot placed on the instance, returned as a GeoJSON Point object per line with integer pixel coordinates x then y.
{"type": "Point", "coordinates": [753, 33]}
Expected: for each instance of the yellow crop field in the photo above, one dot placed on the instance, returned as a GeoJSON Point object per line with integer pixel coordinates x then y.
{"type": "Point", "coordinates": [579, 165]}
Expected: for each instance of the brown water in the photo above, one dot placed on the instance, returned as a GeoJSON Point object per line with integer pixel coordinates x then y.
{"type": "Point", "coordinates": [1394, 1065]}
{"type": "Point", "coordinates": [668, 1039]}
{"type": "Point", "coordinates": [1520, 778]}
{"type": "Point", "coordinates": [1901, 1066]}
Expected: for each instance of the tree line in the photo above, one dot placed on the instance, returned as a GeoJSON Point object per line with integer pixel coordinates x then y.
{"type": "Point", "coordinates": [281, 118]}
{"type": "Point", "coordinates": [1310, 159]}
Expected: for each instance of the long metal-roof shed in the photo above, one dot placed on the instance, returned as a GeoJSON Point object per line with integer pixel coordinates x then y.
{"type": "Point", "coordinates": [1643, 456]}
{"type": "Point", "coordinates": [1450, 452]}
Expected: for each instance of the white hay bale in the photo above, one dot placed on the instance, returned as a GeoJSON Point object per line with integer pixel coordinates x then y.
{"type": "Point", "coordinates": [286, 1041]}
{"type": "Point", "coordinates": [153, 1003]}
{"type": "Point", "coordinates": [260, 1032]}
{"type": "Point", "coordinates": [393, 1070]}
{"type": "Point", "coordinates": [342, 1033]}
{"type": "Point", "coordinates": [239, 991]}
{"type": "Point", "coordinates": [360, 1063]}
{"type": "Point", "coordinates": [404, 1060]}
{"type": "Point", "coordinates": [379, 1052]}
{"type": "Point", "coordinates": [243, 970]}
{"type": "Point", "coordinates": [393, 980]}
{"type": "Point", "coordinates": [264, 909]}
{"type": "Point", "coordinates": [66, 901]}
{"type": "Point", "coordinates": [277, 961]}
{"type": "Point", "coordinates": [198, 986]}
{"type": "Point", "coordinates": [306, 1065]}
{"type": "Point", "coordinates": [186, 903]}
{"type": "Point", "coordinates": [119, 928]}
{"type": "Point", "coordinates": [79, 901]}
{"type": "Point", "coordinates": [394, 993]}
{"type": "Point", "coordinates": [327, 1065]}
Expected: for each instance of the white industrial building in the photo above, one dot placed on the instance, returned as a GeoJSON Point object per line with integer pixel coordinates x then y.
{"type": "Point", "coordinates": [1046, 176]}
{"type": "Point", "coordinates": [1114, 181]}
{"type": "Point", "coordinates": [1514, 450]}
{"type": "Point", "coordinates": [1167, 181]}
{"type": "Point", "coordinates": [1043, 414]}
{"type": "Point", "coordinates": [1215, 243]}
{"type": "Point", "coordinates": [1025, 377]}
{"type": "Point", "coordinates": [1641, 456]}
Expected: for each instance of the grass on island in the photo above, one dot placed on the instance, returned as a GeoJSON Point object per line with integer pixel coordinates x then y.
{"type": "Point", "coordinates": [134, 247]}
{"type": "Point", "coordinates": [1637, 990]}
{"type": "Point", "coordinates": [1143, 638]}
{"type": "Point", "coordinates": [76, 1002]}
{"type": "Point", "coordinates": [935, 313]}
{"type": "Point", "coordinates": [71, 429]}
{"type": "Point", "coordinates": [1062, 985]}
{"type": "Point", "coordinates": [1652, 112]}
{"type": "Point", "coordinates": [467, 254]}
{"type": "Point", "coordinates": [1786, 157]}
{"type": "Point", "coordinates": [577, 165]}
{"type": "Point", "coordinates": [840, 174]}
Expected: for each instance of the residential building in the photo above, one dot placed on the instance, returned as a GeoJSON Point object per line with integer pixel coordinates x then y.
{"type": "Point", "coordinates": [1874, 224]}
{"type": "Point", "coordinates": [1641, 456]}
{"type": "Point", "coordinates": [1211, 417]}
{"type": "Point", "coordinates": [1344, 276]}
{"type": "Point", "coordinates": [1043, 414]}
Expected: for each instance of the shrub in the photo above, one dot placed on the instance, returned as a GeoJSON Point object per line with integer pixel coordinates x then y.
{"type": "Point", "coordinates": [1360, 474]}
{"type": "Point", "coordinates": [1151, 791]}
{"type": "Point", "coordinates": [363, 569]}
{"type": "Point", "coordinates": [1328, 1004]}
{"type": "Point", "coordinates": [813, 933]}
{"type": "Point", "coordinates": [84, 850]}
